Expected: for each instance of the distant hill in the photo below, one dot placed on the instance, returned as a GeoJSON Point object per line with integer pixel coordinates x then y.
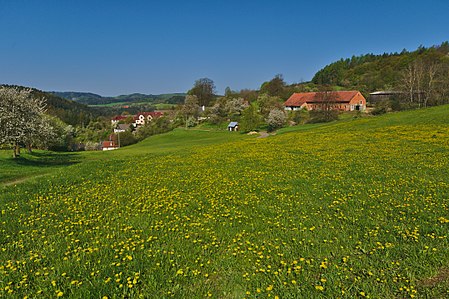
{"type": "Point", "coordinates": [371, 72]}
{"type": "Point", "coordinates": [77, 96]}
{"type": "Point", "coordinates": [92, 99]}
{"type": "Point", "coordinates": [70, 112]}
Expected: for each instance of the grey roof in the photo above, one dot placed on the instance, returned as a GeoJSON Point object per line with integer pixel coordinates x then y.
{"type": "Point", "coordinates": [233, 124]}
{"type": "Point", "coordinates": [385, 92]}
{"type": "Point", "coordinates": [123, 126]}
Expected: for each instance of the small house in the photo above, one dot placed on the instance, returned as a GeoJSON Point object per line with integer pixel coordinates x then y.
{"type": "Point", "coordinates": [118, 118]}
{"type": "Point", "coordinates": [143, 117]}
{"type": "Point", "coordinates": [233, 126]}
{"type": "Point", "coordinates": [120, 128]}
{"type": "Point", "coordinates": [109, 145]}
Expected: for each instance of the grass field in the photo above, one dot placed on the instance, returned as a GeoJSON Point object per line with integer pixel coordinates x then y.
{"type": "Point", "coordinates": [351, 209]}
{"type": "Point", "coordinates": [31, 166]}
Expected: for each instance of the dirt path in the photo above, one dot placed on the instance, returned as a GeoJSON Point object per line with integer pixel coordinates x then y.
{"type": "Point", "coordinates": [263, 134]}
{"type": "Point", "coordinates": [21, 180]}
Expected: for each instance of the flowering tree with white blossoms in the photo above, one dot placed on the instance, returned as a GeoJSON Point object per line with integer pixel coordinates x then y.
{"type": "Point", "coordinates": [276, 119]}
{"type": "Point", "coordinates": [21, 118]}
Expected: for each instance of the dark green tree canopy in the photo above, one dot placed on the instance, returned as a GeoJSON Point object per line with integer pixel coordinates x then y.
{"type": "Point", "coordinates": [275, 87]}
{"type": "Point", "coordinates": [204, 90]}
{"type": "Point", "coordinates": [370, 72]}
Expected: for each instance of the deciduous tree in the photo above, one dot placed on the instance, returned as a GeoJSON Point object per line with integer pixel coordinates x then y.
{"type": "Point", "coordinates": [267, 103]}
{"type": "Point", "coordinates": [250, 119]}
{"type": "Point", "coordinates": [327, 111]}
{"type": "Point", "coordinates": [190, 110]}
{"type": "Point", "coordinates": [275, 87]}
{"type": "Point", "coordinates": [276, 119]}
{"type": "Point", "coordinates": [204, 90]}
{"type": "Point", "coordinates": [21, 117]}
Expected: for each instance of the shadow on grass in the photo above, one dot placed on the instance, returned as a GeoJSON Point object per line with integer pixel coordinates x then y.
{"type": "Point", "coordinates": [46, 159]}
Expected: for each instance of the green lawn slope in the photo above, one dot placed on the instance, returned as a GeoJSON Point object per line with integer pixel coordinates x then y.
{"type": "Point", "coordinates": [350, 209]}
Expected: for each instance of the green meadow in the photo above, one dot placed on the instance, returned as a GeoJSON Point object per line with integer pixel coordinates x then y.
{"type": "Point", "coordinates": [351, 209]}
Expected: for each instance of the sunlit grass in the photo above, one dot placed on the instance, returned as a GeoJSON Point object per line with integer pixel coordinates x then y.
{"type": "Point", "coordinates": [350, 209]}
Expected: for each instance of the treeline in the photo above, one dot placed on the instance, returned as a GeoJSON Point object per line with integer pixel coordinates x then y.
{"type": "Point", "coordinates": [70, 112]}
{"type": "Point", "coordinates": [88, 98]}
{"type": "Point", "coordinates": [370, 72]}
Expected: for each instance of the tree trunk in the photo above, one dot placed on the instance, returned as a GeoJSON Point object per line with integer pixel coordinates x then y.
{"type": "Point", "coordinates": [16, 150]}
{"type": "Point", "coordinates": [30, 150]}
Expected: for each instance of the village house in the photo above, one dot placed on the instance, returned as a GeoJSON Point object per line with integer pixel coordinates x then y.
{"type": "Point", "coordinates": [111, 143]}
{"type": "Point", "coordinates": [139, 119]}
{"type": "Point", "coordinates": [118, 118]}
{"type": "Point", "coordinates": [120, 128]}
{"type": "Point", "coordinates": [335, 100]}
{"type": "Point", "coordinates": [142, 117]}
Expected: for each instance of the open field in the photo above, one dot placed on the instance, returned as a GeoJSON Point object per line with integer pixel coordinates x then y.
{"type": "Point", "coordinates": [356, 208]}
{"type": "Point", "coordinates": [31, 166]}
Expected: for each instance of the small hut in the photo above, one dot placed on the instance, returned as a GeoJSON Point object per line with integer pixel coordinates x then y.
{"type": "Point", "coordinates": [233, 126]}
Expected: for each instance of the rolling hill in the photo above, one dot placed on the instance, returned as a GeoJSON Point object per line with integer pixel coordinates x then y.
{"type": "Point", "coordinates": [351, 209]}
{"type": "Point", "coordinates": [68, 111]}
{"type": "Point", "coordinates": [95, 99]}
{"type": "Point", "coordinates": [371, 72]}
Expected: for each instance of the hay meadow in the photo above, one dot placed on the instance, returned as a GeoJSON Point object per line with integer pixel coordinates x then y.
{"type": "Point", "coordinates": [356, 208]}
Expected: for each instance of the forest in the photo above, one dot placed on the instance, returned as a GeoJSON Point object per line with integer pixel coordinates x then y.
{"type": "Point", "coordinates": [368, 73]}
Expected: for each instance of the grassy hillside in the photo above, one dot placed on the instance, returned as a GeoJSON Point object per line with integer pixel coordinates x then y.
{"type": "Point", "coordinates": [349, 209]}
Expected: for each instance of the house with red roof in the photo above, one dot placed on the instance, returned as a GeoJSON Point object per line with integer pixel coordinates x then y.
{"type": "Point", "coordinates": [335, 100]}
{"type": "Point", "coordinates": [118, 118]}
{"type": "Point", "coordinates": [110, 144]}
{"type": "Point", "coordinates": [139, 119]}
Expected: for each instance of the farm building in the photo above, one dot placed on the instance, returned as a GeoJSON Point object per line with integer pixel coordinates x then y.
{"type": "Point", "coordinates": [233, 126]}
{"type": "Point", "coordinates": [335, 100]}
{"type": "Point", "coordinates": [380, 96]}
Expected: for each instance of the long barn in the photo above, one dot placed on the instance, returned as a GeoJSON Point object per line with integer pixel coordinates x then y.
{"type": "Point", "coordinates": [335, 100]}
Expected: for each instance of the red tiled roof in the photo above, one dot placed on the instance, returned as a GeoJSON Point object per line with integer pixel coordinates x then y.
{"type": "Point", "coordinates": [153, 114]}
{"type": "Point", "coordinates": [120, 117]}
{"type": "Point", "coordinates": [109, 144]}
{"type": "Point", "coordinates": [298, 99]}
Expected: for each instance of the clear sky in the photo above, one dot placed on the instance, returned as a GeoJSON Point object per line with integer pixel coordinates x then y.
{"type": "Point", "coordinates": [121, 47]}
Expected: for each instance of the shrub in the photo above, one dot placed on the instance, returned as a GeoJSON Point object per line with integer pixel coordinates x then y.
{"type": "Point", "coordinates": [276, 119]}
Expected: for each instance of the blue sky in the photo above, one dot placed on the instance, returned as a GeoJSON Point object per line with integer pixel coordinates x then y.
{"type": "Point", "coordinates": [120, 47]}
